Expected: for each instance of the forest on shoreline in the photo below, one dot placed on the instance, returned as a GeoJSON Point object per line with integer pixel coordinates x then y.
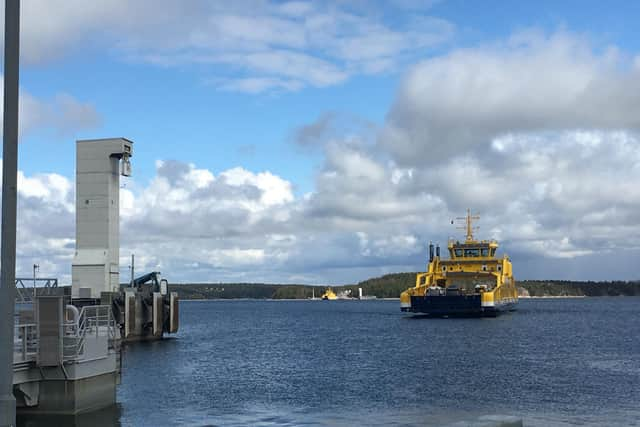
{"type": "Point", "coordinates": [391, 285]}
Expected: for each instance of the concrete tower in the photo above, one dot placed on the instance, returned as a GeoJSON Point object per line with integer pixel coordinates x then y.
{"type": "Point", "coordinates": [99, 164]}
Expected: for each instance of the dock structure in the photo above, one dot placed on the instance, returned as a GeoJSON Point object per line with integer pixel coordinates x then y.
{"type": "Point", "coordinates": [67, 340]}
{"type": "Point", "coordinates": [144, 310]}
{"type": "Point", "coordinates": [65, 360]}
{"type": "Point", "coordinates": [60, 347]}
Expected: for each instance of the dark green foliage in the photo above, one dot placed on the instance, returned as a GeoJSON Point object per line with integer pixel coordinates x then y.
{"type": "Point", "coordinates": [539, 288]}
{"type": "Point", "coordinates": [243, 290]}
{"type": "Point", "coordinates": [387, 286]}
{"type": "Point", "coordinates": [223, 290]}
{"type": "Point", "coordinates": [296, 292]}
{"type": "Point", "coordinates": [390, 286]}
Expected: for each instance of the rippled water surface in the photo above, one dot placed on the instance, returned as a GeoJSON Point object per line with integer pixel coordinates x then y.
{"type": "Point", "coordinates": [280, 363]}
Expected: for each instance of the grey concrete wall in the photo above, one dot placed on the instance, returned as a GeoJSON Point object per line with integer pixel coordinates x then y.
{"type": "Point", "coordinates": [69, 397]}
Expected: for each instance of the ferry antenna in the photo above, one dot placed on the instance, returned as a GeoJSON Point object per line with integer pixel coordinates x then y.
{"type": "Point", "coordinates": [469, 227]}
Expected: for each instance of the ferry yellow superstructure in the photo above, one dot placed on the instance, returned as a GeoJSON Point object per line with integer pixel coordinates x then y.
{"type": "Point", "coordinates": [472, 282]}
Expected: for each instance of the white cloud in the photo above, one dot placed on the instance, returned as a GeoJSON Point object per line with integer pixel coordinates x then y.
{"type": "Point", "coordinates": [366, 217]}
{"type": "Point", "coordinates": [252, 46]}
{"type": "Point", "coordinates": [45, 225]}
{"type": "Point", "coordinates": [254, 85]}
{"type": "Point", "coordinates": [537, 134]}
{"type": "Point", "coordinates": [461, 101]}
{"type": "Point", "coordinates": [63, 114]}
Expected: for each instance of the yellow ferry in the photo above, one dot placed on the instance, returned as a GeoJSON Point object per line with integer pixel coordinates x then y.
{"type": "Point", "coordinates": [472, 282]}
{"type": "Point", "coordinates": [329, 295]}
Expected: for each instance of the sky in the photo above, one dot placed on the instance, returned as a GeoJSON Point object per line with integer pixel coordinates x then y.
{"type": "Point", "coordinates": [330, 142]}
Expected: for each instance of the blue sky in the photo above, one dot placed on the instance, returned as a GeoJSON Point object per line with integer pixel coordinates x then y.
{"type": "Point", "coordinates": [392, 96]}
{"type": "Point", "coordinates": [176, 114]}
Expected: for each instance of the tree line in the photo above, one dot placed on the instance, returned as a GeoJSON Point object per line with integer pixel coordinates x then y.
{"type": "Point", "coordinates": [390, 286]}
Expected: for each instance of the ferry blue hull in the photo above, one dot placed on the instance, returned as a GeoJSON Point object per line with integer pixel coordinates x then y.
{"type": "Point", "coordinates": [455, 306]}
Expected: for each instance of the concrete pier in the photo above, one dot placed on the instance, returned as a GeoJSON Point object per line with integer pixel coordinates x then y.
{"type": "Point", "coordinates": [65, 360]}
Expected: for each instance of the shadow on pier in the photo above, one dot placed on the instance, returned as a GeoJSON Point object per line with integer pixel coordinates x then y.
{"type": "Point", "coordinates": [106, 417]}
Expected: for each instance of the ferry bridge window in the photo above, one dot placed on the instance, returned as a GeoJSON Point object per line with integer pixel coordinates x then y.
{"type": "Point", "coordinates": [458, 252]}
{"type": "Point", "coordinates": [485, 251]}
{"type": "Point", "coordinates": [472, 252]}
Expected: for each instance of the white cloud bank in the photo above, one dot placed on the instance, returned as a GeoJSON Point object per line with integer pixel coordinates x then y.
{"type": "Point", "coordinates": [551, 164]}
{"type": "Point", "coordinates": [239, 225]}
{"type": "Point", "coordinates": [531, 83]}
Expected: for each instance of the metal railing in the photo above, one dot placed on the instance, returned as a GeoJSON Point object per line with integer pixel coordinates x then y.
{"type": "Point", "coordinates": [93, 321]}
{"type": "Point", "coordinates": [25, 342]}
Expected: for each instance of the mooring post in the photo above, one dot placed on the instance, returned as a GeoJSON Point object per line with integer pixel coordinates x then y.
{"type": "Point", "coordinates": [9, 207]}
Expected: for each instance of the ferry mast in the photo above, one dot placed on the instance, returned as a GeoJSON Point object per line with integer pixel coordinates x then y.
{"type": "Point", "coordinates": [469, 224]}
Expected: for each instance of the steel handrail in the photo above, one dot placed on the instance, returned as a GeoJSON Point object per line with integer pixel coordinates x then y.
{"type": "Point", "coordinates": [96, 320]}
{"type": "Point", "coordinates": [92, 319]}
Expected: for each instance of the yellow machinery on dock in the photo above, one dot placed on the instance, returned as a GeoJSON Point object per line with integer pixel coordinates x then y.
{"type": "Point", "coordinates": [472, 282]}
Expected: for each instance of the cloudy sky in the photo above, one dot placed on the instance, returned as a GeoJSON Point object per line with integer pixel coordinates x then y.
{"type": "Point", "coordinates": [329, 142]}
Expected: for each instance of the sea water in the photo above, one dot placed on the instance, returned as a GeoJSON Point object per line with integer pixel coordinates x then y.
{"type": "Point", "coordinates": [554, 362]}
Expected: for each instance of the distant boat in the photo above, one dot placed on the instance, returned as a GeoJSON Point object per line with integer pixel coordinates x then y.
{"type": "Point", "coordinates": [329, 295]}
{"type": "Point", "coordinates": [472, 282]}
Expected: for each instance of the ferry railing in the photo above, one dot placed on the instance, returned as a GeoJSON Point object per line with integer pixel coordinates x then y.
{"type": "Point", "coordinates": [93, 322]}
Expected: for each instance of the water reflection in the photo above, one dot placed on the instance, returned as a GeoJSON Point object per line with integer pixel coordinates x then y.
{"type": "Point", "coordinates": [107, 417]}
